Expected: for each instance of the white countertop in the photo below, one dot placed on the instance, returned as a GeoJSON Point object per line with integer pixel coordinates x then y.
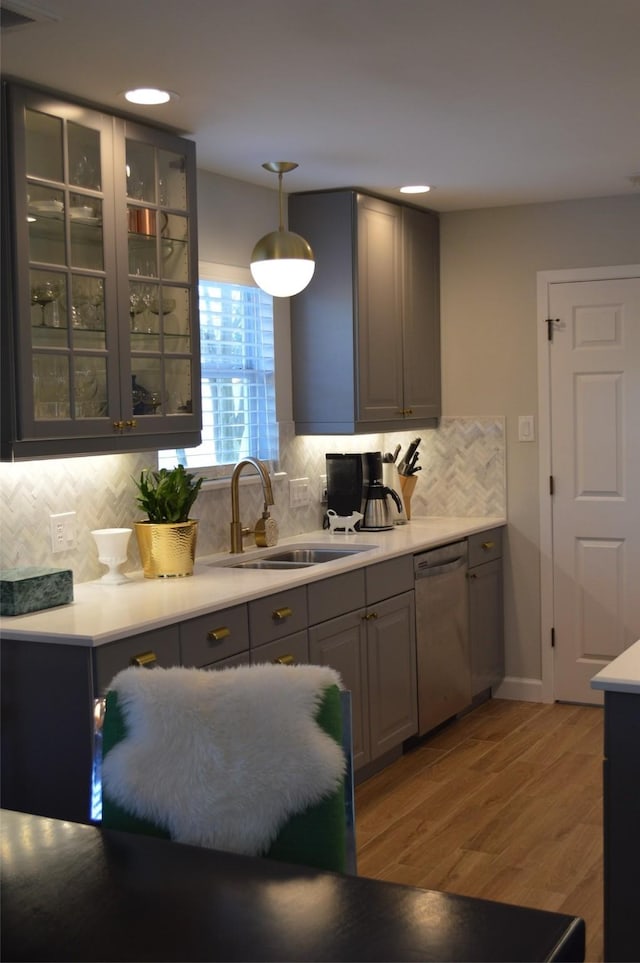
{"type": "Point", "coordinates": [621, 675]}
{"type": "Point", "coordinates": [104, 613]}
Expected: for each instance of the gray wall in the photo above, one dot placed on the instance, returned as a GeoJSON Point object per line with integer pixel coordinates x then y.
{"type": "Point", "coordinates": [489, 352]}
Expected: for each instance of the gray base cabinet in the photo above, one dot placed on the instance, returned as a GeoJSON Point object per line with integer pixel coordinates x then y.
{"type": "Point", "coordinates": [621, 826]}
{"type": "Point", "coordinates": [370, 316]}
{"type": "Point", "coordinates": [362, 623]}
{"type": "Point", "coordinates": [486, 618]}
{"type": "Point", "coordinates": [374, 649]}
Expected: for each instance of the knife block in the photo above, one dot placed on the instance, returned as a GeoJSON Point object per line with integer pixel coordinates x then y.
{"type": "Point", "coordinates": [407, 486]}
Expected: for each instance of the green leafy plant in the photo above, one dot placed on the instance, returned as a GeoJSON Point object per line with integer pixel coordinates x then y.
{"type": "Point", "coordinates": [168, 494]}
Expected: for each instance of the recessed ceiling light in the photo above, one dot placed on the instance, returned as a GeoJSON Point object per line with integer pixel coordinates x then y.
{"type": "Point", "coordinates": [149, 96]}
{"type": "Point", "coordinates": [415, 189]}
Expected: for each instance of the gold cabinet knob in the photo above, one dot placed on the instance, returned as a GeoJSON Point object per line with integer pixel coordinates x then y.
{"type": "Point", "coordinates": [279, 615]}
{"type": "Point", "coordinates": [217, 635]}
{"type": "Point", "coordinates": [487, 546]}
{"type": "Point", "coordinates": [287, 659]}
{"type": "Point", "coordinates": [118, 426]}
{"type": "Point", "coordinates": [132, 423]}
{"type": "Point", "coordinates": [145, 659]}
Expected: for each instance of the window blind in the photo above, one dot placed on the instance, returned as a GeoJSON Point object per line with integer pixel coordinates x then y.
{"type": "Point", "coordinates": [238, 377]}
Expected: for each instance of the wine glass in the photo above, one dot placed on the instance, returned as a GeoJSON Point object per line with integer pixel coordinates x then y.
{"type": "Point", "coordinates": [136, 307]}
{"type": "Point", "coordinates": [44, 294]}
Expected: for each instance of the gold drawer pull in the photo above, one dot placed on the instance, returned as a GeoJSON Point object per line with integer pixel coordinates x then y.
{"type": "Point", "coordinates": [284, 660]}
{"type": "Point", "coordinates": [279, 615]}
{"type": "Point", "coordinates": [488, 545]}
{"type": "Point", "coordinates": [369, 616]}
{"type": "Point", "coordinates": [217, 635]}
{"type": "Point", "coordinates": [144, 659]}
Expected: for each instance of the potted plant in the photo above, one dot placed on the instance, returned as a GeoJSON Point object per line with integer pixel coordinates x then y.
{"type": "Point", "coordinates": [167, 539]}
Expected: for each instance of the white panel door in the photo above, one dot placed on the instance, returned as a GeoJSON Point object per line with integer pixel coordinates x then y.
{"type": "Point", "coordinates": [595, 462]}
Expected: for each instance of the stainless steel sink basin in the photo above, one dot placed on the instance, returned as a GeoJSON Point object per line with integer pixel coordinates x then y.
{"type": "Point", "coordinates": [296, 557]}
{"type": "Point", "coordinates": [269, 563]}
{"type": "Point", "coordinates": [311, 556]}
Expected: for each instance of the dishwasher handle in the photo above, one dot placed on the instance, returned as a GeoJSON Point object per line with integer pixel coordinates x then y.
{"type": "Point", "coordinates": [444, 569]}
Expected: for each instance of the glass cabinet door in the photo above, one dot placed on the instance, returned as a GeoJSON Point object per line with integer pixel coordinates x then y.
{"type": "Point", "coordinates": [102, 270]}
{"type": "Point", "coordinates": [65, 268]}
{"type": "Point", "coordinates": [160, 262]}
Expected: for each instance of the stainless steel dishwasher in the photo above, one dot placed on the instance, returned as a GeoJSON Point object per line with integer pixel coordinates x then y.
{"type": "Point", "coordinates": [442, 634]}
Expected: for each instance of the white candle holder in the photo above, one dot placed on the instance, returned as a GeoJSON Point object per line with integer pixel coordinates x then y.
{"type": "Point", "coordinates": [112, 551]}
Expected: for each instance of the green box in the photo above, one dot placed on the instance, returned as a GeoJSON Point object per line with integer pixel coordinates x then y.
{"type": "Point", "coordinates": [25, 590]}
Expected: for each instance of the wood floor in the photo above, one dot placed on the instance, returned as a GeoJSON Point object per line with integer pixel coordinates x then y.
{"type": "Point", "coordinates": [504, 803]}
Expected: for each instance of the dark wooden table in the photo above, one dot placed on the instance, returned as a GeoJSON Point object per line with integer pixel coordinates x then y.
{"type": "Point", "coordinates": [74, 892]}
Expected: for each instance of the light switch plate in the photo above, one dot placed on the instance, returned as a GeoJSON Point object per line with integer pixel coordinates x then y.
{"type": "Point", "coordinates": [526, 428]}
{"type": "Point", "coordinates": [299, 495]}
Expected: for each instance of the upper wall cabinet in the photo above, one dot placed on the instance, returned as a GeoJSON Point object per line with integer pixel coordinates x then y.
{"type": "Point", "coordinates": [100, 315]}
{"type": "Point", "coordinates": [366, 331]}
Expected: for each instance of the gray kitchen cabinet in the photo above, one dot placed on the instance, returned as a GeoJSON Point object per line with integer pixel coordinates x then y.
{"type": "Point", "coordinates": [392, 683]}
{"type": "Point", "coordinates": [210, 640]}
{"type": "Point", "coordinates": [369, 317]}
{"type": "Point", "coordinates": [277, 616]}
{"type": "Point", "coordinates": [291, 650]}
{"type": "Point", "coordinates": [47, 709]}
{"type": "Point", "coordinates": [374, 649]}
{"type": "Point", "coordinates": [486, 618]}
{"type": "Point", "coordinates": [100, 310]}
{"type": "Point", "coordinates": [621, 787]}
{"type": "Point", "coordinates": [342, 644]}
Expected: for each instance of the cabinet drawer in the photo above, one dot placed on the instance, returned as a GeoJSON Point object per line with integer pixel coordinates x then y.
{"type": "Point", "coordinates": [277, 615]}
{"type": "Point", "coordinates": [292, 650]}
{"type": "Point", "coordinates": [242, 658]}
{"type": "Point", "coordinates": [335, 596]}
{"type": "Point", "coordinates": [389, 578]}
{"type": "Point", "coordinates": [210, 638]}
{"type": "Point", "coordinates": [485, 546]}
{"type": "Point", "coordinates": [110, 659]}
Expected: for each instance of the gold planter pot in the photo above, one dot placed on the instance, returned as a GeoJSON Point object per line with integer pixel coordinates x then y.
{"type": "Point", "coordinates": [167, 550]}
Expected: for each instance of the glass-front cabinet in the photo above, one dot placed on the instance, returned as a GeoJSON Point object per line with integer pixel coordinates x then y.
{"type": "Point", "coordinates": [100, 315]}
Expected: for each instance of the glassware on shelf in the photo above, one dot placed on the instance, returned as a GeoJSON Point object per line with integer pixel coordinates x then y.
{"type": "Point", "coordinates": [141, 398]}
{"type": "Point", "coordinates": [43, 294]}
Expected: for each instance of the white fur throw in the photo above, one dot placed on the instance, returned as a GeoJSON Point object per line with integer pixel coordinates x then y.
{"type": "Point", "coordinates": [222, 759]}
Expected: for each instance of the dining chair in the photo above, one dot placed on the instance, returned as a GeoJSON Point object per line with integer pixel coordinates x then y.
{"type": "Point", "coordinates": [254, 759]}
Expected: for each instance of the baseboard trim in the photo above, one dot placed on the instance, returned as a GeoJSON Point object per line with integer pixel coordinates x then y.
{"type": "Point", "coordinates": [522, 690]}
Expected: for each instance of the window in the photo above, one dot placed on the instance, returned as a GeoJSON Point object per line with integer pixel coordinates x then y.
{"type": "Point", "coordinates": [238, 373]}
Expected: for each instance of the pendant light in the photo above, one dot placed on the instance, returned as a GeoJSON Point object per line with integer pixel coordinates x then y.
{"type": "Point", "coordinates": [282, 262]}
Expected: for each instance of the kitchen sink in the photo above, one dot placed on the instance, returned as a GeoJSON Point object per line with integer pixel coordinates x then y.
{"type": "Point", "coordinates": [296, 557]}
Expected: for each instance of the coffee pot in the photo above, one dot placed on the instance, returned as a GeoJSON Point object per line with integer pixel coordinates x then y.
{"type": "Point", "coordinates": [378, 515]}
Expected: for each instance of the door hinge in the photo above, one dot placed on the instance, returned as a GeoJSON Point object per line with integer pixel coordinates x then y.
{"type": "Point", "coordinates": [553, 638]}
{"type": "Point", "coordinates": [552, 487]}
{"type": "Point", "coordinates": [550, 323]}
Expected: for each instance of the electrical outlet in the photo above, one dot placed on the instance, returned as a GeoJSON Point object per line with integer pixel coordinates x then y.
{"type": "Point", "coordinates": [63, 531]}
{"type": "Point", "coordinates": [298, 492]}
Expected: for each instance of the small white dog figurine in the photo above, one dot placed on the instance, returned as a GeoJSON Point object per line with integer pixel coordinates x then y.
{"type": "Point", "coordinates": [348, 522]}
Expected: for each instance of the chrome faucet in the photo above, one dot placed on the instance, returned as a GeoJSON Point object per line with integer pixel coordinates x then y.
{"type": "Point", "coordinates": [237, 531]}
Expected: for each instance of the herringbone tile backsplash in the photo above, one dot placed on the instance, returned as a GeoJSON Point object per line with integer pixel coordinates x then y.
{"type": "Point", "coordinates": [463, 474]}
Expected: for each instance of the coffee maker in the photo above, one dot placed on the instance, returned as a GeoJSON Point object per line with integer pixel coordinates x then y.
{"type": "Point", "coordinates": [377, 510]}
{"type": "Point", "coordinates": [345, 482]}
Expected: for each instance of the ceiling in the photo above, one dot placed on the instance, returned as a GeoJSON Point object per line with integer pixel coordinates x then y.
{"type": "Point", "coordinates": [493, 102]}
